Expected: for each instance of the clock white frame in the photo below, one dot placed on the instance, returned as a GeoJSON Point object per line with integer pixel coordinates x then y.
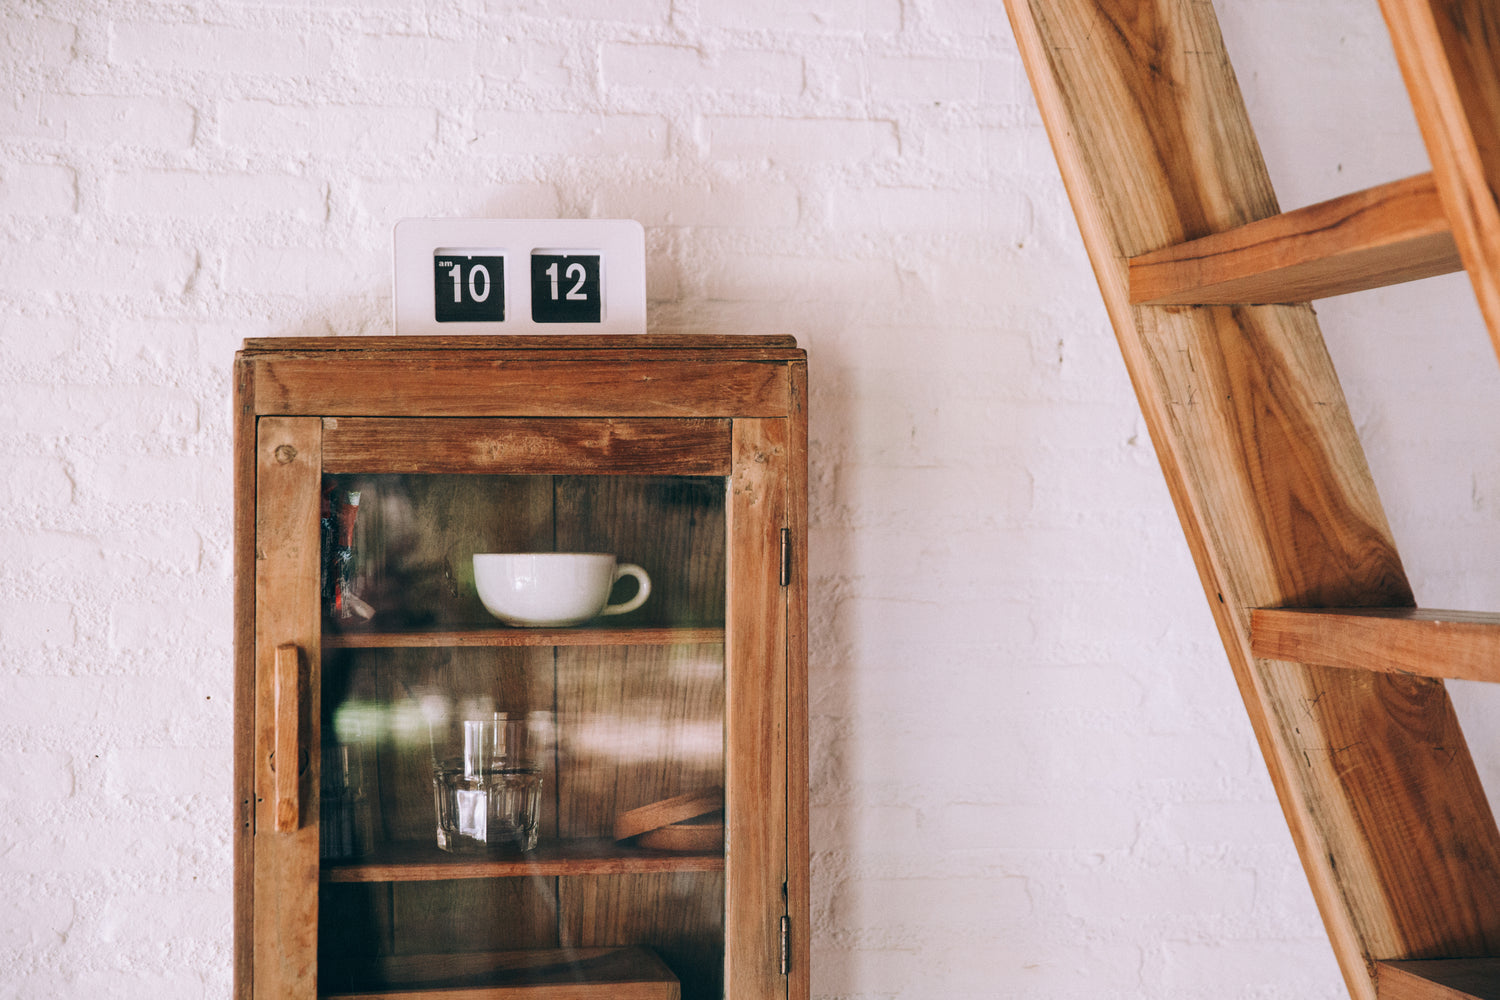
{"type": "Point", "coordinates": [620, 244]}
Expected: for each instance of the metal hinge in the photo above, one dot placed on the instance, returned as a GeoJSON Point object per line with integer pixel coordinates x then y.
{"type": "Point", "coordinates": [786, 556]}
{"type": "Point", "coordinates": [786, 945]}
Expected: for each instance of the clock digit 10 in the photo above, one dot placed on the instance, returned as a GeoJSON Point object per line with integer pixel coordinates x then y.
{"type": "Point", "coordinates": [468, 288]}
{"type": "Point", "coordinates": [565, 288]}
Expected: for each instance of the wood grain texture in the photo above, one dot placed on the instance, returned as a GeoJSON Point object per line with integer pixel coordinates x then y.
{"type": "Point", "coordinates": [413, 537]}
{"type": "Point", "coordinates": [397, 385]}
{"type": "Point", "coordinates": [664, 812]}
{"type": "Point", "coordinates": [579, 635]}
{"type": "Point", "coordinates": [526, 447]}
{"type": "Point", "coordinates": [472, 915]}
{"type": "Point", "coordinates": [1449, 53]}
{"type": "Point", "coordinates": [756, 709]}
{"type": "Point", "coordinates": [1462, 645]}
{"type": "Point", "coordinates": [690, 838]}
{"type": "Point", "coordinates": [673, 527]}
{"type": "Point", "coordinates": [423, 862]}
{"type": "Point", "coordinates": [638, 724]}
{"type": "Point", "coordinates": [288, 687]}
{"type": "Point", "coordinates": [669, 657]}
{"type": "Point", "coordinates": [244, 678]}
{"type": "Point", "coordinates": [673, 914]}
{"type": "Point", "coordinates": [676, 525]}
{"type": "Point", "coordinates": [1388, 234]}
{"type": "Point", "coordinates": [635, 725]}
{"type": "Point", "coordinates": [1451, 979]}
{"type": "Point", "coordinates": [717, 346]}
{"type": "Point", "coordinates": [286, 612]}
{"type": "Point", "coordinates": [412, 695]}
{"type": "Point", "coordinates": [460, 914]}
{"type": "Point", "coordinates": [798, 765]}
{"type": "Point", "coordinates": [564, 991]}
{"type": "Point", "coordinates": [541, 974]}
{"type": "Point", "coordinates": [1268, 477]}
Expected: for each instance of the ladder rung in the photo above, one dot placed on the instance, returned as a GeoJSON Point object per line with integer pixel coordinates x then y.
{"type": "Point", "coordinates": [1380, 236]}
{"type": "Point", "coordinates": [1462, 645]}
{"type": "Point", "coordinates": [1439, 979]}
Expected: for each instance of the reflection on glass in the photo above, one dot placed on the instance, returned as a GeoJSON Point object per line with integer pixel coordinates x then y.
{"type": "Point", "coordinates": [484, 776]}
{"type": "Point", "coordinates": [344, 823]}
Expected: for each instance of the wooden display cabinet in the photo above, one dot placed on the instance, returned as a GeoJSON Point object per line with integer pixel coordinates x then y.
{"type": "Point", "coordinates": [360, 638]}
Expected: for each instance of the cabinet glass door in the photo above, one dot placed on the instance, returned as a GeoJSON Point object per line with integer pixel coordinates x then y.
{"type": "Point", "coordinates": [470, 762]}
{"type": "Point", "coordinates": [518, 776]}
{"type": "Point", "coordinates": [529, 801]}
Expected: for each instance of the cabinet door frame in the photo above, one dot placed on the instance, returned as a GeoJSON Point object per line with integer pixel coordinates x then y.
{"type": "Point", "coordinates": [287, 614]}
{"type": "Point", "coordinates": [755, 712]}
{"type": "Point", "coordinates": [763, 459]}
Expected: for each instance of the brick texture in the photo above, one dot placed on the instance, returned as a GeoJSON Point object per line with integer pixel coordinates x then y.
{"type": "Point", "coordinates": [1032, 777]}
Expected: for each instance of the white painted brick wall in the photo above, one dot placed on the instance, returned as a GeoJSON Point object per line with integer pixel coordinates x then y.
{"type": "Point", "coordinates": [1032, 776]}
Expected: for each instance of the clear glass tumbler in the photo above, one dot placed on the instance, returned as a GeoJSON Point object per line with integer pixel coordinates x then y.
{"type": "Point", "coordinates": [490, 795]}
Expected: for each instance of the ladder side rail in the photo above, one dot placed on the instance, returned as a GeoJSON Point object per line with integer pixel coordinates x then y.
{"type": "Point", "coordinates": [1263, 464]}
{"type": "Point", "coordinates": [1449, 54]}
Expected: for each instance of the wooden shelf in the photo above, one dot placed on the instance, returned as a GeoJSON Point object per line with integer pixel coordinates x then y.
{"type": "Point", "coordinates": [501, 636]}
{"type": "Point", "coordinates": [426, 863]}
{"type": "Point", "coordinates": [1439, 979]}
{"type": "Point", "coordinates": [1381, 236]}
{"type": "Point", "coordinates": [1462, 645]}
{"type": "Point", "coordinates": [557, 974]}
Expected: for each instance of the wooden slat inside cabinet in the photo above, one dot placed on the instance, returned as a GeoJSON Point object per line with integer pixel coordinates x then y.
{"type": "Point", "coordinates": [424, 863]}
{"type": "Point", "coordinates": [550, 974]}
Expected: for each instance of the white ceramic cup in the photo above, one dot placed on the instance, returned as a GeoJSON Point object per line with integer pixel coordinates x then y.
{"type": "Point", "coordinates": [553, 589]}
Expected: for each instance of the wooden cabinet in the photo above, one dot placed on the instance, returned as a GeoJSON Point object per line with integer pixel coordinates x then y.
{"type": "Point", "coordinates": [369, 472]}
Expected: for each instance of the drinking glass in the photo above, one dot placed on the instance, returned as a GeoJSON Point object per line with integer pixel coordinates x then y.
{"type": "Point", "coordinates": [489, 793]}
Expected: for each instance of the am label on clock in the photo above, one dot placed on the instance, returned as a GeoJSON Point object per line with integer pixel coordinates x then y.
{"type": "Point", "coordinates": [519, 276]}
{"type": "Point", "coordinates": [468, 288]}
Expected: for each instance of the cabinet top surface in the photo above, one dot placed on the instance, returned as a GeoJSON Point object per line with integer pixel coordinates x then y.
{"type": "Point", "coordinates": [759, 347]}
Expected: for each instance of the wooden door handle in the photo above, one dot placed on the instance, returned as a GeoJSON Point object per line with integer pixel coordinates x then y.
{"type": "Point", "coordinates": [286, 793]}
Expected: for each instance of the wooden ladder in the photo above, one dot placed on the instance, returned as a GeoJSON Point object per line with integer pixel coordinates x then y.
{"type": "Point", "coordinates": [1207, 285]}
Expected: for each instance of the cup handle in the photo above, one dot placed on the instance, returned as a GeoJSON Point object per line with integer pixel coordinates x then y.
{"type": "Point", "coordinates": [643, 589]}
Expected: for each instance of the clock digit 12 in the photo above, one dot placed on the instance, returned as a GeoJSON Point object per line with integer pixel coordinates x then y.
{"type": "Point", "coordinates": [468, 288]}
{"type": "Point", "coordinates": [565, 288]}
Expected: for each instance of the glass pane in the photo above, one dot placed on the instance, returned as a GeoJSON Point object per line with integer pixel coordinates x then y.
{"type": "Point", "coordinates": [505, 804]}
